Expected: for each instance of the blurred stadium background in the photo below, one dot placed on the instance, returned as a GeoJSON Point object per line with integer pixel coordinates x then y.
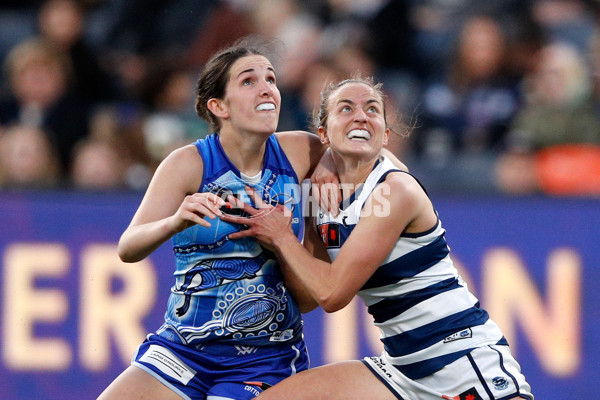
{"type": "Point", "coordinates": [501, 98]}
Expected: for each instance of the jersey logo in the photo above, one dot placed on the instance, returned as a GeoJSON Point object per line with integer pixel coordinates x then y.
{"type": "Point", "coordinates": [464, 334]}
{"type": "Point", "coordinates": [282, 336]}
{"type": "Point", "coordinates": [500, 382]}
{"type": "Point", "coordinates": [330, 234]}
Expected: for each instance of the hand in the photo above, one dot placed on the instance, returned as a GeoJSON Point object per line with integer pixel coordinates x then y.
{"type": "Point", "coordinates": [194, 208]}
{"type": "Point", "coordinates": [326, 184]}
{"type": "Point", "coordinates": [266, 223]}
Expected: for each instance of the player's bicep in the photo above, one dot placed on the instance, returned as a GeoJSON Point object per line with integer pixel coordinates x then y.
{"type": "Point", "coordinates": [178, 175]}
{"type": "Point", "coordinates": [385, 215]}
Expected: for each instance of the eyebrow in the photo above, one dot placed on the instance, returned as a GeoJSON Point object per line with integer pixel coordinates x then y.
{"type": "Point", "coordinates": [252, 70]}
{"type": "Point", "coordinates": [352, 103]}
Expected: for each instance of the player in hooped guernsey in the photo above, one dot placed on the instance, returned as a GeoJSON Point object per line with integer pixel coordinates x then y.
{"type": "Point", "coordinates": [426, 314]}
{"type": "Point", "coordinates": [387, 245]}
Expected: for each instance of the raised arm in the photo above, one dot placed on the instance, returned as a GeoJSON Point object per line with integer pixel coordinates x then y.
{"type": "Point", "coordinates": [170, 205]}
{"type": "Point", "coordinates": [303, 149]}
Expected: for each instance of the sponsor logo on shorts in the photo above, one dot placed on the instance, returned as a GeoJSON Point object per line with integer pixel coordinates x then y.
{"type": "Point", "coordinates": [252, 390]}
{"type": "Point", "coordinates": [168, 363]}
{"type": "Point", "coordinates": [464, 334]}
{"type": "Point", "coordinates": [262, 385]}
{"type": "Point", "coordinates": [243, 350]}
{"type": "Point", "coordinates": [500, 382]}
{"type": "Point", "coordinates": [282, 336]}
{"type": "Point", "coordinates": [381, 365]}
{"type": "Point", "coordinates": [470, 394]}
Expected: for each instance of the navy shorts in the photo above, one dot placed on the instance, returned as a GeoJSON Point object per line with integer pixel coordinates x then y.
{"type": "Point", "coordinates": [219, 371]}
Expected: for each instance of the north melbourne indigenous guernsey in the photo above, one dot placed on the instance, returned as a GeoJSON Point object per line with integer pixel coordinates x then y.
{"type": "Point", "coordinates": [231, 329]}
{"type": "Point", "coordinates": [231, 291]}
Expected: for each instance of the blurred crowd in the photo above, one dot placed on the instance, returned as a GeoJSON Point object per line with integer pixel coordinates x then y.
{"type": "Point", "coordinates": [498, 96]}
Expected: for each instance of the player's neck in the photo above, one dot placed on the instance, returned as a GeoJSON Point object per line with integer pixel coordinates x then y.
{"type": "Point", "coordinates": [246, 152]}
{"type": "Point", "coordinates": [352, 173]}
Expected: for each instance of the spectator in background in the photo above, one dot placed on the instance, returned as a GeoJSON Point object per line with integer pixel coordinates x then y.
{"type": "Point", "coordinates": [42, 96]}
{"type": "Point", "coordinates": [437, 23]}
{"type": "Point", "coordinates": [570, 21]}
{"type": "Point", "coordinates": [467, 114]}
{"type": "Point", "coordinates": [97, 165]}
{"type": "Point", "coordinates": [170, 120]}
{"type": "Point", "coordinates": [218, 30]}
{"type": "Point", "coordinates": [559, 111]}
{"type": "Point", "coordinates": [298, 30]}
{"type": "Point", "coordinates": [27, 159]}
{"type": "Point", "coordinates": [62, 22]}
{"type": "Point", "coordinates": [295, 112]}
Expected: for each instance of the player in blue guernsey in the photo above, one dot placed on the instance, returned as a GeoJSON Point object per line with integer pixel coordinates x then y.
{"type": "Point", "coordinates": [232, 328]}
{"type": "Point", "coordinates": [387, 245]}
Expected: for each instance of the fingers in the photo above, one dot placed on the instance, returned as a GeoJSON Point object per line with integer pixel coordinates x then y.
{"type": "Point", "coordinates": [328, 195]}
{"type": "Point", "coordinates": [258, 201]}
{"type": "Point", "coordinates": [240, 204]}
{"type": "Point", "coordinates": [335, 197]}
{"type": "Point", "coordinates": [240, 235]}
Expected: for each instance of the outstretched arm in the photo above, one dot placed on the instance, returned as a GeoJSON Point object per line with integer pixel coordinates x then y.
{"type": "Point", "coordinates": [334, 284]}
{"type": "Point", "coordinates": [313, 244]}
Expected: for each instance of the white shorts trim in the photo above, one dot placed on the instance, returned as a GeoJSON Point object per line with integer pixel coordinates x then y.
{"type": "Point", "coordinates": [490, 372]}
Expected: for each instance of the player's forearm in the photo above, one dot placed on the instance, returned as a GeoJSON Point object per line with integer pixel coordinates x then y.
{"type": "Point", "coordinates": [299, 292]}
{"type": "Point", "coordinates": [139, 241]}
{"type": "Point", "coordinates": [318, 277]}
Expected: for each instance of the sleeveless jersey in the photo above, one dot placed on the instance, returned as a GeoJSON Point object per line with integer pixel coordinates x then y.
{"type": "Point", "coordinates": [232, 291]}
{"type": "Point", "coordinates": [426, 315]}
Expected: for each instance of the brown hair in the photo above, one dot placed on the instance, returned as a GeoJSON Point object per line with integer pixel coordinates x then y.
{"type": "Point", "coordinates": [215, 74]}
{"type": "Point", "coordinates": [321, 114]}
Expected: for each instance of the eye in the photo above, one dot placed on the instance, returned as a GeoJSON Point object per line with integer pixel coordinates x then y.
{"type": "Point", "coordinates": [271, 80]}
{"type": "Point", "coordinates": [373, 109]}
{"type": "Point", "coordinates": [246, 82]}
{"type": "Point", "coordinates": [345, 109]}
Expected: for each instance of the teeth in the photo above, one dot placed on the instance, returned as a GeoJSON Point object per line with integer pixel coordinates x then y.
{"type": "Point", "coordinates": [359, 134]}
{"type": "Point", "coordinates": [265, 106]}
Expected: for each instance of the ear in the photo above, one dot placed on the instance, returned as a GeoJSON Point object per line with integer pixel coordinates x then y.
{"type": "Point", "coordinates": [386, 136]}
{"type": "Point", "coordinates": [218, 108]}
{"type": "Point", "coordinates": [323, 135]}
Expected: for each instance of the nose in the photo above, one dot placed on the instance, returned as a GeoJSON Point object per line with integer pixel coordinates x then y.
{"type": "Point", "coordinates": [360, 115]}
{"type": "Point", "coordinates": [265, 88]}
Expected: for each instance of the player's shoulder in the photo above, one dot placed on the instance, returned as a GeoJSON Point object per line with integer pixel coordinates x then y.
{"type": "Point", "coordinates": [291, 138]}
{"type": "Point", "coordinates": [182, 162]}
{"type": "Point", "coordinates": [303, 149]}
{"type": "Point", "coordinates": [186, 154]}
{"type": "Point", "coordinates": [401, 184]}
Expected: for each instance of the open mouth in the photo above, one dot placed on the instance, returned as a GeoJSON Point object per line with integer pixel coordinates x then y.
{"type": "Point", "coordinates": [265, 107]}
{"type": "Point", "coordinates": [359, 134]}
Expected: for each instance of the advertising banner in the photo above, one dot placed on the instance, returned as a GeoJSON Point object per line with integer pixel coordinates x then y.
{"type": "Point", "coordinates": [72, 313]}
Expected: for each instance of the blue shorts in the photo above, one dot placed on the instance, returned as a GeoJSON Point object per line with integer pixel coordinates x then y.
{"type": "Point", "coordinates": [219, 371]}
